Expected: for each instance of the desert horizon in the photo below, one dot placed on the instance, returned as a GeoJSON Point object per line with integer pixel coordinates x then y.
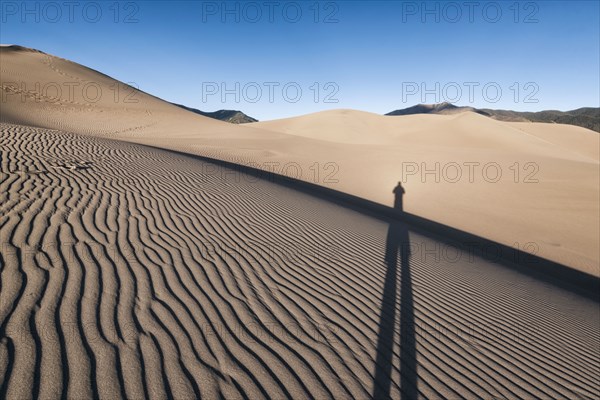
{"type": "Point", "coordinates": [294, 243]}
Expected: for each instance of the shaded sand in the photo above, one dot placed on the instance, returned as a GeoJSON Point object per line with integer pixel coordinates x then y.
{"type": "Point", "coordinates": [134, 272]}
{"type": "Point", "coordinates": [548, 202]}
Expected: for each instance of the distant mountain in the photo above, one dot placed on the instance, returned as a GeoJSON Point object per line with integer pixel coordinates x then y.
{"type": "Point", "coordinates": [587, 117]}
{"type": "Point", "coordinates": [440, 108]}
{"type": "Point", "coordinates": [232, 116]}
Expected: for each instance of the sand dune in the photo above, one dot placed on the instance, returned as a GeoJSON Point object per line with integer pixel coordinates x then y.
{"type": "Point", "coordinates": [355, 152]}
{"type": "Point", "coordinates": [132, 272]}
{"type": "Point", "coordinates": [129, 271]}
{"type": "Point", "coordinates": [572, 138]}
{"type": "Point", "coordinates": [535, 201]}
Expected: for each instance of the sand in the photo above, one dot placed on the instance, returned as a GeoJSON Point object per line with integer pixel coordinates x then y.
{"type": "Point", "coordinates": [136, 272]}
{"type": "Point", "coordinates": [546, 197]}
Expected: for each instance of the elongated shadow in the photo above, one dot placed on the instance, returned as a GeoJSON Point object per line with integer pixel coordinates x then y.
{"type": "Point", "coordinates": [397, 260]}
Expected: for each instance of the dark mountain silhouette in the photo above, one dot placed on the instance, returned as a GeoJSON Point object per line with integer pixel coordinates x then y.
{"type": "Point", "coordinates": [587, 117]}
{"type": "Point", "coordinates": [440, 108]}
{"type": "Point", "coordinates": [232, 116]}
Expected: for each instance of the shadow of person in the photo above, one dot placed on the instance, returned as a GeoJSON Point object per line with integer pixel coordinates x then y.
{"type": "Point", "coordinates": [398, 197]}
{"type": "Point", "coordinates": [397, 261]}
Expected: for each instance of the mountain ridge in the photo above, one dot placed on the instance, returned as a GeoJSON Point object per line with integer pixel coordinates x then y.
{"type": "Point", "coordinates": [586, 117]}
{"type": "Point", "coordinates": [231, 116]}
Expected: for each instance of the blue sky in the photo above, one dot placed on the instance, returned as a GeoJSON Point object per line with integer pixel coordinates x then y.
{"type": "Point", "coordinates": [274, 59]}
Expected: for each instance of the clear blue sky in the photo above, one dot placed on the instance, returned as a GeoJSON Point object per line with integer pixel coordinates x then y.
{"type": "Point", "coordinates": [372, 56]}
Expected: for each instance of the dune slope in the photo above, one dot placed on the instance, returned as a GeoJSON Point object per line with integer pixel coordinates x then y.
{"type": "Point", "coordinates": [545, 195]}
{"type": "Point", "coordinates": [134, 272]}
